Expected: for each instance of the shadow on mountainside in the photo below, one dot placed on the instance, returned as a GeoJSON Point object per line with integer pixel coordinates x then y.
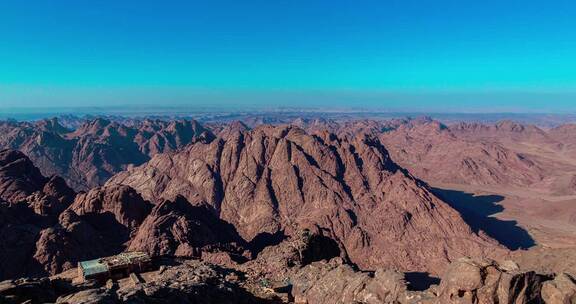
{"type": "Point", "coordinates": [265, 239]}
{"type": "Point", "coordinates": [420, 281]}
{"type": "Point", "coordinates": [477, 211]}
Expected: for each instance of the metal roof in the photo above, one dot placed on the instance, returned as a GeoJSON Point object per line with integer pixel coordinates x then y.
{"type": "Point", "coordinates": [103, 265]}
{"type": "Point", "coordinates": [93, 267]}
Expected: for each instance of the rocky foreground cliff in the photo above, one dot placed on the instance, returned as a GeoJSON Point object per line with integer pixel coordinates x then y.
{"type": "Point", "coordinates": [319, 282]}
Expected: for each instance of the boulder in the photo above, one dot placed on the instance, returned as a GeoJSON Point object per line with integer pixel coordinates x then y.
{"type": "Point", "coordinates": [333, 282]}
{"type": "Point", "coordinates": [561, 290]}
{"type": "Point", "coordinates": [486, 281]}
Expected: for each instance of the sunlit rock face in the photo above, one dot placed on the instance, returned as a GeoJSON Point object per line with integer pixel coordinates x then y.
{"type": "Point", "coordinates": [282, 179]}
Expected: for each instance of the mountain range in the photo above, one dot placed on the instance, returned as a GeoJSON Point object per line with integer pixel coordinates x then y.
{"type": "Point", "coordinates": [364, 192]}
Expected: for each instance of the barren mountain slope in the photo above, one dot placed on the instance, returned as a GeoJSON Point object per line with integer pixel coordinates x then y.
{"type": "Point", "coordinates": [29, 204]}
{"type": "Point", "coordinates": [279, 180]}
{"type": "Point", "coordinates": [553, 151]}
{"type": "Point", "coordinates": [502, 131]}
{"type": "Point", "coordinates": [99, 148]}
{"type": "Point", "coordinates": [515, 173]}
{"type": "Point", "coordinates": [38, 236]}
{"type": "Point", "coordinates": [434, 153]}
{"type": "Point", "coordinates": [566, 135]}
{"type": "Point", "coordinates": [46, 228]}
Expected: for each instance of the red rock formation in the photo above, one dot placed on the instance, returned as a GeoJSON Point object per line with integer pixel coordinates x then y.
{"type": "Point", "coordinates": [18, 176]}
{"type": "Point", "coordinates": [18, 236]}
{"type": "Point", "coordinates": [503, 130]}
{"type": "Point", "coordinates": [334, 282]}
{"type": "Point", "coordinates": [281, 179]}
{"type": "Point", "coordinates": [99, 148]}
{"type": "Point", "coordinates": [123, 203]}
{"type": "Point", "coordinates": [178, 228]}
{"type": "Point", "coordinates": [38, 237]}
{"type": "Point", "coordinates": [436, 153]}
{"type": "Point", "coordinates": [469, 281]}
{"type": "Point", "coordinates": [61, 246]}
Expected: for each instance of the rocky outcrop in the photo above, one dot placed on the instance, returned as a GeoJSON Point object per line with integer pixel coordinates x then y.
{"type": "Point", "coordinates": [98, 223]}
{"type": "Point", "coordinates": [334, 282]}
{"type": "Point", "coordinates": [179, 228]}
{"type": "Point", "coordinates": [19, 228]}
{"type": "Point", "coordinates": [42, 245]}
{"type": "Point", "coordinates": [43, 232]}
{"type": "Point", "coordinates": [19, 178]}
{"type": "Point", "coordinates": [187, 282]}
{"type": "Point", "coordinates": [273, 180]}
{"type": "Point", "coordinates": [32, 204]}
{"type": "Point", "coordinates": [276, 263]}
{"type": "Point", "coordinates": [90, 296]}
{"type": "Point", "coordinates": [27, 291]}
{"type": "Point", "coordinates": [465, 281]}
{"type": "Point", "coordinates": [21, 181]}
{"type": "Point", "coordinates": [469, 281]}
{"type": "Point", "coordinates": [561, 290]}
{"type": "Point", "coordinates": [61, 246]}
{"type": "Point", "coordinates": [54, 197]}
{"type": "Point", "coordinates": [120, 204]}
{"type": "Point", "coordinates": [191, 282]}
{"type": "Point", "coordinates": [331, 281]}
{"type": "Point", "coordinates": [35, 245]}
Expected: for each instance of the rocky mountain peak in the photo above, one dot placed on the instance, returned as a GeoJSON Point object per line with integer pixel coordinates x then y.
{"type": "Point", "coordinates": [282, 179]}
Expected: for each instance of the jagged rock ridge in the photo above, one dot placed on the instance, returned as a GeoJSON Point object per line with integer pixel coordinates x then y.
{"type": "Point", "coordinates": [280, 180]}
{"type": "Point", "coordinates": [99, 148]}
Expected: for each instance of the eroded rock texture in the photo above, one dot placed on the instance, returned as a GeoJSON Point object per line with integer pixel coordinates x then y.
{"type": "Point", "coordinates": [280, 180]}
{"type": "Point", "coordinates": [448, 154]}
{"type": "Point", "coordinates": [46, 229]}
{"type": "Point", "coordinates": [98, 148]}
{"type": "Point", "coordinates": [561, 290]}
{"type": "Point", "coordinates": [334, 282]}
{"type": "Point", "coordinates": [469, 281]}
{"type": "Point", "coordinates": [177, 228]}
{"type": "Point", "coordinates": [19, 178]}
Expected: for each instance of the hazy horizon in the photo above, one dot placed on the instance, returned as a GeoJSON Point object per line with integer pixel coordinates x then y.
{"type": "Point", "coordinates": [438, 102]}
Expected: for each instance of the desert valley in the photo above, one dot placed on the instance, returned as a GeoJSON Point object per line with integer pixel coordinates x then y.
{"type": "Point", "coordinates": [308, 210]}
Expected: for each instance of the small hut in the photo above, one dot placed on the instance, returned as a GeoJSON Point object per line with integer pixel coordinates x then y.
{"type": "Point", "coordinates": [114, 267]}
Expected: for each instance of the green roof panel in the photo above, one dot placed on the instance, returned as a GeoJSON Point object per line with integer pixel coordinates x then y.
{"type": "Point", "coordinates": [93, 267]}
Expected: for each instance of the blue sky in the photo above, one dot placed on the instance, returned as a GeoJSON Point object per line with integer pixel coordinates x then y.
{"type": "Point", "coordinates": [414, 55]}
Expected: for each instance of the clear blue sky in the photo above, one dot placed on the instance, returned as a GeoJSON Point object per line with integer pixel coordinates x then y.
{"type": "Point", "coordinates": [405, 54]}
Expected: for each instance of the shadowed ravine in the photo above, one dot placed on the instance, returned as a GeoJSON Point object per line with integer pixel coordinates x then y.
{"type": "Point", "coordinates": [477, 210]}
